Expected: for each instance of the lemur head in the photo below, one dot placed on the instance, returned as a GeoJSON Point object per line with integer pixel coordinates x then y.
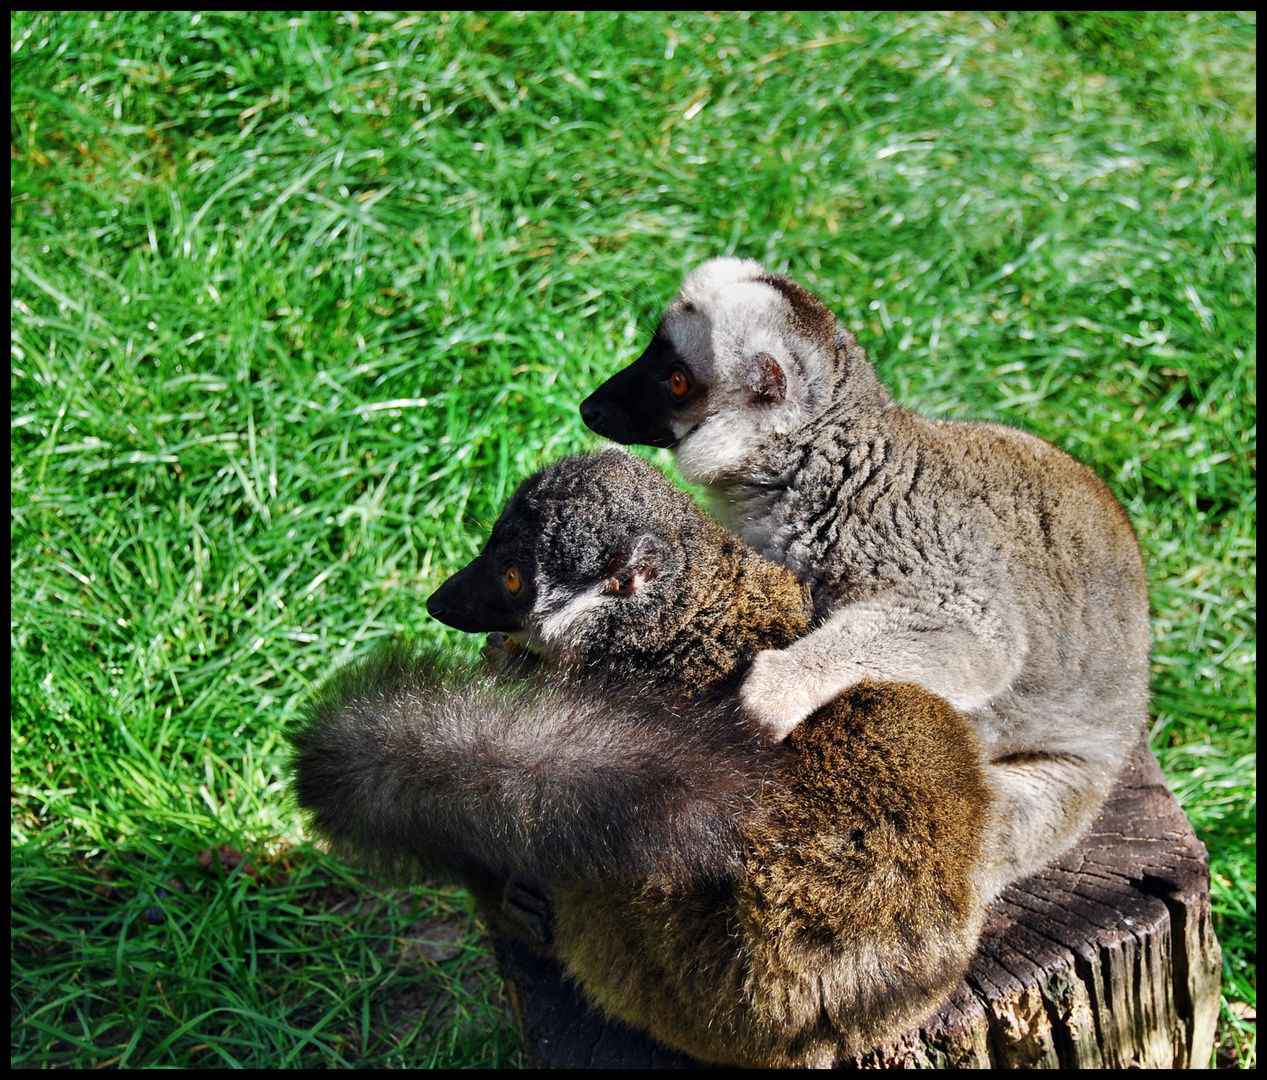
{"type": "Point", "coordinates": [587, 560]}
{"type": "Point", "coordinates": [740, 356]}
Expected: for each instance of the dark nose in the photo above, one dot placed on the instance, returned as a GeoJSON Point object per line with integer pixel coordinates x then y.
{"type": "Point", "coordinates": [592, 413]}
{"type": "Point", "coordinates": [627, 409]}
{"type": "Point", "coordinates": [475, 600]}
{"type": "Point", "coordinates": [438, 606]}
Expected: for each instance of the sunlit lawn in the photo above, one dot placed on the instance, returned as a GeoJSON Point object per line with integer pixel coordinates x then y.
{"type": "Point", "coordinates": [298, 301]}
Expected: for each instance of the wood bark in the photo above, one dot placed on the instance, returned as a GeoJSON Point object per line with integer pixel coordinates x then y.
{"type": "Point", "coordinates": [1106, 959]}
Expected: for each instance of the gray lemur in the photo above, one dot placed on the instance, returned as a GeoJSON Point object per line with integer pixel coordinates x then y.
{"type": "Point", "coordinates": [973, 559]}
{"type": "Point", "coordinates": [745, 902]}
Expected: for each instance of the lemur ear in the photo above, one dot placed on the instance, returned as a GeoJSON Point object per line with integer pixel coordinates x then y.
{"type": "Point", "coordinates": [771, 383]}
{"type": "Point", "coordinates": [628, 571]}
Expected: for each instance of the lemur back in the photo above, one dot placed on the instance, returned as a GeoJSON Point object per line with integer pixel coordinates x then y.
{"type": "Point", "coordinates": [976, 560]}
{"type": "Point", "coordinates": [851, 901]}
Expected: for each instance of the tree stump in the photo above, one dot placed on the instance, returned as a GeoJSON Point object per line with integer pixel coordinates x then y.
{"type": "Point", "coordinates": [1106, 959]}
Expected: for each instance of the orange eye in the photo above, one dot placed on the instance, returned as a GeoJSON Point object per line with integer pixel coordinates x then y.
{"type": "Point", "coordinates": [513, 581]}
{"type": "Point", "coordinates": [679, 384]}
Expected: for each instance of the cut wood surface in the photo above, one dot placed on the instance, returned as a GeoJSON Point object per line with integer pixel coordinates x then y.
{"type": "Point", "coordinates": [1106, 959]}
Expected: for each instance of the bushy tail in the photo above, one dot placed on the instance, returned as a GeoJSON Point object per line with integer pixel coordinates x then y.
{"type": "Point", "coordinates": [401, 761]}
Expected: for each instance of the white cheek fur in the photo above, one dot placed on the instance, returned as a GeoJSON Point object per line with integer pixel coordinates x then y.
{"type": "Point", "coordinates": [557, 629]}
{"type": "Point", "coordinates": [717, 448]}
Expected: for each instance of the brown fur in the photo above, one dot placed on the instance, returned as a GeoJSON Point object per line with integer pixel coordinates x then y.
{"type": "Point", "coordinates": [857, 915]}
{"type": "Point", "coordinates": [858, 905]}
{"type": "Point", "coordinates": [745, 604]}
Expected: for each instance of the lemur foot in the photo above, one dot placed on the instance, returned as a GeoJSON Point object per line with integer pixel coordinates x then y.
{"type": "Point", "coordinates": [530, 908]}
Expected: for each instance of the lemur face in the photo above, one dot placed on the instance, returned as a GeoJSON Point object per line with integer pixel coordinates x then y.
{"type": "Point", "coordinates": [739, 355]}
{"type": "Point", "coordinates": [490, 595]}
{"type": "Point", "coordinates": [577, 546]}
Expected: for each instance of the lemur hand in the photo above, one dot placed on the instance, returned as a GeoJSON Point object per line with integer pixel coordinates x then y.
{"type": "Point", "coordinates": [779, 693]}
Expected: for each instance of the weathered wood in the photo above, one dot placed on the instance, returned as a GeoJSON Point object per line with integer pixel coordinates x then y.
{"type": "Point", "coordinates": [1107, 959]}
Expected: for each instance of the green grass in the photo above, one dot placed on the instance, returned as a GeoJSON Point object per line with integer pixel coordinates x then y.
{"type": "Point", "coordinates": [298, 300]}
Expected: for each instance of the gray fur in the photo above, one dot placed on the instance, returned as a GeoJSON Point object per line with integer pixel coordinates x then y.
{"type": "Point", "coordinates": [622, 572]}
{"type": "Point", "coordinates": [404, 763]}
{"type": "Point", "coordinates": [979, 561]}
{"type": "Point", "coordinates": [748, 903]}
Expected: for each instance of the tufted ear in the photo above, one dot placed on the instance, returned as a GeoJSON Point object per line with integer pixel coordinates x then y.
{"type": "Point", "coordinates": [770, 384]}
{"type": "Point", "coordinates": [628, 571]}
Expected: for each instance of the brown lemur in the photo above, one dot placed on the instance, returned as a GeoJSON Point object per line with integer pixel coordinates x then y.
{"type": "Point", "coordinates": [976, 560]}
{"type": "Point", "coordinates": [745, 902]}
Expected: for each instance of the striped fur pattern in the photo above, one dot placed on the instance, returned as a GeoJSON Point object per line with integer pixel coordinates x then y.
{"type": "Point", "coordinates": [973, 559]}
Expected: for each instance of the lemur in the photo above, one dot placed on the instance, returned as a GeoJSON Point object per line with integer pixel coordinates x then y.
{"type": "Point", "coordinates": [976, 560]}
{"type": "Point", "coordinates": [746, 902]}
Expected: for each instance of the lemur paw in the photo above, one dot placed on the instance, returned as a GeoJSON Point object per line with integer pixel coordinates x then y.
{"type": "Point", "coordinates": [776, 695]}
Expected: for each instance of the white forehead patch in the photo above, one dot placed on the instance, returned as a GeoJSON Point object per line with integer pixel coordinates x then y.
{"type": "Point", "coordinates": [706, 282]}
{"type": "Point", "coordinates": [721, 304]}
{"type": "Point", "coordinates": [747, 308]}
{"type": "Point", "coordinates": [733, 315]}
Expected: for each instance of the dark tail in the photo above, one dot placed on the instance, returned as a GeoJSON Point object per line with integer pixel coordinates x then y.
{"type": "Point", "coordinates": [402, 762]}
